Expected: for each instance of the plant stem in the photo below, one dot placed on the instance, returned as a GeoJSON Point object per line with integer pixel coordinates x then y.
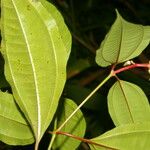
{"type": "Point", "coordinates": [84, 101]}
{"type": "Point", "coordinates": [112, 73]}
{"type": "Point", "coordinates": [53, 135]}
{"type": "Point", "coordinates": [83, 140]}
{"type": "Point", "coordinates": [36, 146]}
{"type": "Point", "coordinates": [130, 67]}
{"type": "Point", "coordinates": [52, 141]}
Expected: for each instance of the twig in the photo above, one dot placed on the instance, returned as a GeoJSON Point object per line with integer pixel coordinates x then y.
{"type": "Point", "coordinates": [147, 65]}
{"type": "Point", "coordinates": [82, 139]}
{"type": "Point", "coordinates": [84, 101]}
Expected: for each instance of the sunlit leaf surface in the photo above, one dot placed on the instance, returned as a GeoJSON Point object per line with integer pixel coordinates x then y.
{"type": "Point", "coordinates": [35, 60]}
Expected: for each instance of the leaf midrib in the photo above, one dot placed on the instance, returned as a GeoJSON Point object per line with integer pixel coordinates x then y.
{"type": "Point", "coordinates": [33, 69]}
{"type": "Point", "coordinates": [126, 99]}
{"type": "Point", "coordinates": [120, 43]}
{"type": "Point", "coordinates": [56, 63]}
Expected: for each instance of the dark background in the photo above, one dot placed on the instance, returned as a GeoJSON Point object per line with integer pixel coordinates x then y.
{"type": "Point", "coordinates": [88, 22]}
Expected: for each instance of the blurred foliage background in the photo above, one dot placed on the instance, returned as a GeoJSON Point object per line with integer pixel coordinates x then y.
{"type": "Point", "coordinates": [88, 22]}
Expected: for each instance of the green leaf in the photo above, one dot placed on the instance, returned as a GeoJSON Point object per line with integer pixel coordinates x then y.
{"type": "Point", "coordinates": [126, 137]}
{"type": "Point", "coordinates": [141, 82]}
{"type": "Point", "coordinates": [76, 126]}
{"type": "Point", "coordinates": [127, 103]}
{"type": "Point", "coordinates": [63, 30]}
{"type": "Point", "coordinates": [14, 129]}
{"type": "Point", "coordinates": [124, 41]}
{"type": "Point", "coordinates": [32, 47]}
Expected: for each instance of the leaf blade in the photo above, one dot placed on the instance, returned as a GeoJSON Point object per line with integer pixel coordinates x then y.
{"type": "Point", "coordinates": [124, 41]}
{"type": "Point", "coordinates": [35, 71]}
{"type": "Point", "coordinates": [14, 129]}
{"type": "Point", "coordinates": [65, 35]}
{"type": "Point", "coordinates": [130, 136]}
{"type": "Point", "coordinates": [127, 103]}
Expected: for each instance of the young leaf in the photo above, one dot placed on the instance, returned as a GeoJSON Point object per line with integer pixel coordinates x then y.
{"type": "Point", "coordinates": [75, 126]}
{"type": "Point", "coordinates": [124, 41]}
{"type": "Point", "coordinates": [14, 129]}
{"type": "Point", "coordinates": [126, 137]}
{"type": "Point", "coordinates": [32, 47]}
{"type": "Point", "coordinates": [127, 103]}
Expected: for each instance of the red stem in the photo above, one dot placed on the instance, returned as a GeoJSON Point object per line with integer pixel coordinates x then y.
{"type": "Point", "coordinates": [130, 67]}
{"type": "Point", "coordinates": [82, 139]}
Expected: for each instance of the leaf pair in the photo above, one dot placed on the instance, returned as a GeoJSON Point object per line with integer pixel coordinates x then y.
{"type": "Point", "coordinates": [130, 112]}
{"type": "Point", "coordinates": [128, 106]}
{"type": "Point", "coordinates": [35, 45]}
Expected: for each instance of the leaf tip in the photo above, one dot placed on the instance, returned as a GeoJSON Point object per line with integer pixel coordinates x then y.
{"type": "Point", "coordinates": [117, 13]}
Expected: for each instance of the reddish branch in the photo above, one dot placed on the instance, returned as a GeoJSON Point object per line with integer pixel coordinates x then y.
{"type": "Point", "coordinates": [82, 139]}
{"type": "Point", "coordinates": [114, 72]}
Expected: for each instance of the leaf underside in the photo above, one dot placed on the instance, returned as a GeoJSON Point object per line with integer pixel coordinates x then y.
{"type": "Point", "coordinates": [63, 30]}
{"type": "Point", "coordinates": [33, 67]}
{"type": "Point", "coordinates": [14, 129]}
{"type": "Point", "coordinates": [127, 103]}
{"type": "Point", "coordinates": [123, 42]}
{"type": "Point", "coordinates": [127, 137]}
